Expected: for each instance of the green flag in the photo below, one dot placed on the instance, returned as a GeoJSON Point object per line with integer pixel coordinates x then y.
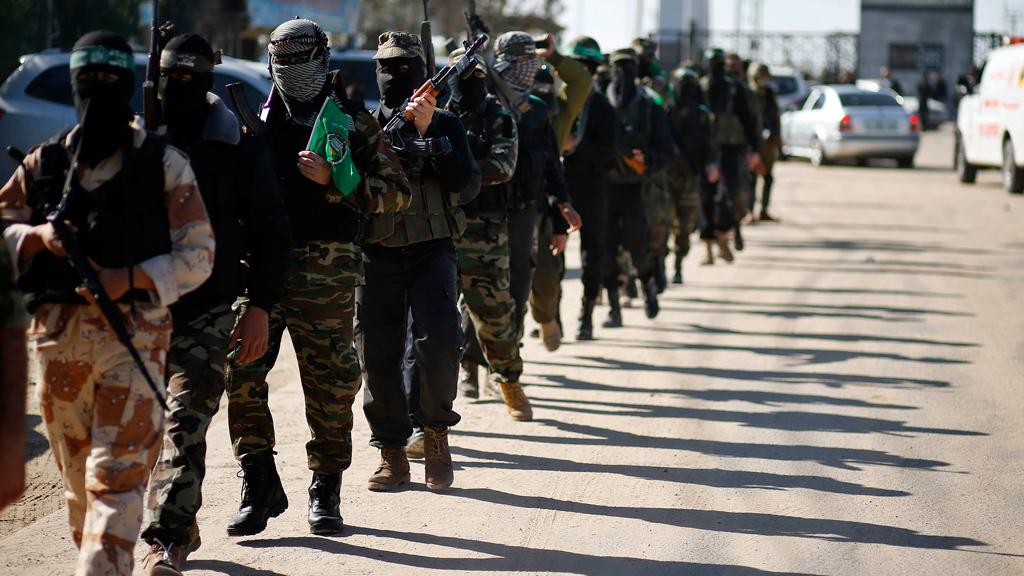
{"type": "Point", "coordinates": [330, 139]}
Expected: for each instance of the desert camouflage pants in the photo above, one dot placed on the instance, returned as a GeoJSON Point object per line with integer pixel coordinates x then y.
{"type": "Point", "coordinates": [486, 300]}
{"type": "Point", "coordinates": [195, 385]}
{"type": "Point", "coordinates": [686, 200]}
{"type": "Point", "coordinates": [104, 424]}
{"type": "Point", "coordinates": [317, 309]}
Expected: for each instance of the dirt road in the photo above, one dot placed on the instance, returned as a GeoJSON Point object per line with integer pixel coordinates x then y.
{"type": "Point", "coordinates": [844, 399]}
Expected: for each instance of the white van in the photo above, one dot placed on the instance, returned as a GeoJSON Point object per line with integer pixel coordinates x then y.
{"type": "Point", "coordinates": [990, 125]}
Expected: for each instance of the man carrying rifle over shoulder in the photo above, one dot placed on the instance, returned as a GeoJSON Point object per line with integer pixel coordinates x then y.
{"type": "Point", "coordinates": [132, 202]}
{"type": "Point", "coordinates": [237, 183]}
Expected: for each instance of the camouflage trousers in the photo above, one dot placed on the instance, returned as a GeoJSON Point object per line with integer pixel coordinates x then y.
{"type": "Point", "coordinates": [104, 424]}
{"type": "Point", "coordinates": [317, 309]}
{"type": "Point", "coordinates": [686, 214]}
{"type": "Point", "coordinates": [195, 385]}
{"type": "Point", "coordinates": [659, 213]}
{"type": "Point", "coordinates": [486, 300]}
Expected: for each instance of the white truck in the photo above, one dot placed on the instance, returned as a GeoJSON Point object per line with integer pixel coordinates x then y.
{"type": "Point", "coordinates": [990, 123]}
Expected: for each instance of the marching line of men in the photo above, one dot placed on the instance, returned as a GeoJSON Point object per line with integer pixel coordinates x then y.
{"type": "Point", "coordinates": [384, 255]}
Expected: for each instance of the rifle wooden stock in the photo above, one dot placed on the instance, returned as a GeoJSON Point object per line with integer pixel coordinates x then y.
{"type": "Point", "coordinates": [635, 165]}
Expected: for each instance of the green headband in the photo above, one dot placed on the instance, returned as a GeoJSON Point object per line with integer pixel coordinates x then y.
{"type": "Point", "coordinates": [101, 55]}
{"type": "Point", "coordinates": [587, 52]}
{"type": "Point", "coordinates": [173, 60]}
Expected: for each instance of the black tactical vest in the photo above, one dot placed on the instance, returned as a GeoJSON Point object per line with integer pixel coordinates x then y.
{"type": "Point", "coordinates": [122, 223]}
{"type": "Point", "coordinates": [528, 181]}
{"type": "Point", "coordinates": [493, 201]}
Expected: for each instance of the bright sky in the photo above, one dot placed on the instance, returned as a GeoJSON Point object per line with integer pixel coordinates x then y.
{"type": "Point", "coordinates": [613, 22]}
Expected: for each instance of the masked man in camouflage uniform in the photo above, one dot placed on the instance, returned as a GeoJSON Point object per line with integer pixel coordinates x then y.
{"type": "Point", "coordinates": [693, 131]}
{"type": "Point", "coordinates": [326, 266]}
{"type": "Point", "coordinates": [139, 216]}
{"type": "Point", "coordinates": [483, 247]}
{"type": "Point", "coordinates": [236, 180]}
{"type": "Point", "coordinates": [412, 268]}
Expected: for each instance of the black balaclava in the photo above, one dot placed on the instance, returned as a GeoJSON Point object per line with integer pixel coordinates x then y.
{"type": "Point", "coordinates": [184, 101]}
{"type": "Point", "coordinates": [686, 89]}
{"type": "Point", "coordinates": [302, 82]}
{"type": "Point", "coordinates": [468, 93]}
{"type": "Point", "coordinates": [603, 78]}
{"type": "Point", "coordinates": [396, 86]}
{"type": "Point", "coordinates": [716, 68]}
{"type": "Point", "coordinates": [623, 86]}
{"type": "Point", "coordinates": [103, 108]}
{"type": "Point", "coordinates": [544, 88]}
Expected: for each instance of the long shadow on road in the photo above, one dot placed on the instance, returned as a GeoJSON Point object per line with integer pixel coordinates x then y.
{"type": "Point", "coordinates": [810, 290]}
{"type": "Point", "coordinates": [822, 378]}
{"type": "Point", "coordinates": [502, 557]}
{"type": "Point", "coordinates": [788, 421]}
{"type": "Point", "coordinates": [715, 478]}
{"type": "Point", "coordinates": [715, 331]}
{"type": "Point", "coordinates": [832, 457]}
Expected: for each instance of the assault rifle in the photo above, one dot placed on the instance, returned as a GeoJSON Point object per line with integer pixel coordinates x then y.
{"type": "Point", "coordinates": [427, 37]}
{"type": "Point", "coordinates": [80, 262]}
{"type": "Point", "coordinates": [463, 67]}
{"type": "Point", "coordinates": [150, 112]}
{"type": "Point", "coordinates": [509, 98]}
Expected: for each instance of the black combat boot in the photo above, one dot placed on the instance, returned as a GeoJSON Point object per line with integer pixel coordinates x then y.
{"type": "Point", "coordinates": [263, 496]}
{"type": "Point", "coordinates": [651, 307]}
{"type": "Point", "coordinates": [678, 277]}
{"type": "Point", "coordinates": [325, 504]}
{"type": "Point", "coordinates": [614, 319]}
{"type": "Point", "coordinates": [660, 275]}
{"type": "Point", "coordinates": [739, 239]}
{"type": "Point", "coordinates": [585, 329]}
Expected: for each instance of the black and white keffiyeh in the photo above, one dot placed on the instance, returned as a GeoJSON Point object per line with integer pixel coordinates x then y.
{"type": "Point", "coordinates": [302, 80]}
{"type": "Point", "coordinates": [516, 61]}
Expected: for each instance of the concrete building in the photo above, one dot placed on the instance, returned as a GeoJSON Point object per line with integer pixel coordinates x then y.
{"type": "Point", "coordinates": [910, 36]}
{"type": "Point", "coordinates": [682, 30]}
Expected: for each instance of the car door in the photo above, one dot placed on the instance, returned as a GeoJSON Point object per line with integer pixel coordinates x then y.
{"type": "Point", "coordinates": [802, 124]}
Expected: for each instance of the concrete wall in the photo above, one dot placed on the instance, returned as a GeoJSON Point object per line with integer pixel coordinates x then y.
{"type": "Point", "coordinates": [883, 26]}
{"type": "Point", "coordinates": [674, 18]}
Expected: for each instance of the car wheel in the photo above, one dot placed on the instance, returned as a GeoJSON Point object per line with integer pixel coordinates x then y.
{"type": "Point", "coordinates": [905, 162]}
{"type": "Point", "coordinates": [818, 157]}
{"type": "Point", "coordinates": [1013, 180]}
{"type": "Point", "coordinates": [967, 173]}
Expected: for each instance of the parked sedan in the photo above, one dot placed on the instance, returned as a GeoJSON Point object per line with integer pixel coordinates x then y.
{"type": "Point", "coordinates": [36, 102]}
{"type": "Point", "coordinates": [844, 121]}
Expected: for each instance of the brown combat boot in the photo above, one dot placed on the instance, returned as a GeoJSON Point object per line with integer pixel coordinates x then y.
{"type": "Point", "coordinates": [516, 401]}
{"type": "Point", "coordinates": [551, 333]}
{"type": "Point", "coordinates": [163, 560]}
{"type": "Point", "coordinates": [392, 472]}
{"type": "Point", "coordinates": [438, 468]}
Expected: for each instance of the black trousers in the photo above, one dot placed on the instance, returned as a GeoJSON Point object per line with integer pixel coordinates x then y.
{"type": "Point", "coordinates": [718, 201]}
{"type": "Point", "coordinates": [590, 198]}
{"type": "Point", "coordinates": [420, 280]}
{"type": "Point", "coordinates": [629, 227]}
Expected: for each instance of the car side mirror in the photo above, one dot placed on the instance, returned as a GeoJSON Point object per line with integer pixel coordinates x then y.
{"type": "Point", "coordinates": [795, 106]}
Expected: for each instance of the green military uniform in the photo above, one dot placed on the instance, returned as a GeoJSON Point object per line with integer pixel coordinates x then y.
{"type": "Point", "coordinates": [317, 308]}
{"type": "Point", "coordinates": [483, 248]}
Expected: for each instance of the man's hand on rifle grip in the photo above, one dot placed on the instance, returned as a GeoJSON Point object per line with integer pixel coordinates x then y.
{"type": "Point", "coordinates": [422, 108]}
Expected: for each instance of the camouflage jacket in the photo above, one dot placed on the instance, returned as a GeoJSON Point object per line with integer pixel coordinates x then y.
{"type": "Point", "coordinates": [494, 142]}
{"type": "Point", "coordinates": [384, 187]}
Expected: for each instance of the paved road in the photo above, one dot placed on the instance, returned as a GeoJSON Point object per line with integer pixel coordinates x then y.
{"type": "Point", "coordinates": [845, 399]}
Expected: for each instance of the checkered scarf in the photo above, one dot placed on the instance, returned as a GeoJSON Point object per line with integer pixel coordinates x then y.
{"type": "Point", "coordinates": [520, 75]}
{"type": "Point", "coordinates": [299, 82]}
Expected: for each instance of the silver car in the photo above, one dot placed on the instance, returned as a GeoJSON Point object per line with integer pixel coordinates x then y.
{"type": "Point", "coordinates": [36, 103]}
{"type": "Point", "coordinates": [844, 121]}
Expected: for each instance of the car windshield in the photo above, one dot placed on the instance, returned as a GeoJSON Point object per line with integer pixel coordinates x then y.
{"type": "Point", "coordinates": [867, 99]}
{"type": "Point", "coordinates": [783, 85]}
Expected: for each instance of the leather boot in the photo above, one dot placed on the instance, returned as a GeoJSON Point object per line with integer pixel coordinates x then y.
{"type": "Point", "coordinates": [438, 467]}
{"type": "Point", "coordinates": [469, 383]}
{"type": "Point", "coordinates": [516, 402]}
{"type": "Point", "coordinates": [393, 470]}
{"type": "Point", "coordinates": [163, 560]}
{"type": "Point", "coordinates": [263, 495]}
{"type": "Point", "coordinates": [723, 247]}
{"type": "Point", "coordinates": [678, 278]}
{"type": "Point", "coordinates": [552, 335]}
{"type": "Point", "coordinates": [615, 314]}
{"type": "Point", "coordinates": [738, 240]}
{"type": "Point", "coordinates": [325, 504]}
{"type": "Point", "coordinates": [585, 329]}
{"type": "Point", "coordinates": [651, 307]}
{"type": "Point", "coordinates": [709, 256]}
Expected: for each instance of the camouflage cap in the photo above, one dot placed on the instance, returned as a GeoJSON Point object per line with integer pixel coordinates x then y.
{"type": "Point", "coordinates": [399, 45]}
{"type": "Point", "coordinates": [624, 54]}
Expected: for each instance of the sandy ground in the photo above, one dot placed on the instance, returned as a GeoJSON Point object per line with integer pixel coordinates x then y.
{"type": "Point", "coordinates": [844, 399]}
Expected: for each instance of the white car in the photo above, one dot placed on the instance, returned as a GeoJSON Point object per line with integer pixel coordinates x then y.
{"type": "Point", "coordinates": [843, 121]}
{"type": "Point", "coordinates": [990, 122]}
{"type": "Point", "coordinates": [789, 86]}
{"type": "Point", "coordinates": [36, 102]}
